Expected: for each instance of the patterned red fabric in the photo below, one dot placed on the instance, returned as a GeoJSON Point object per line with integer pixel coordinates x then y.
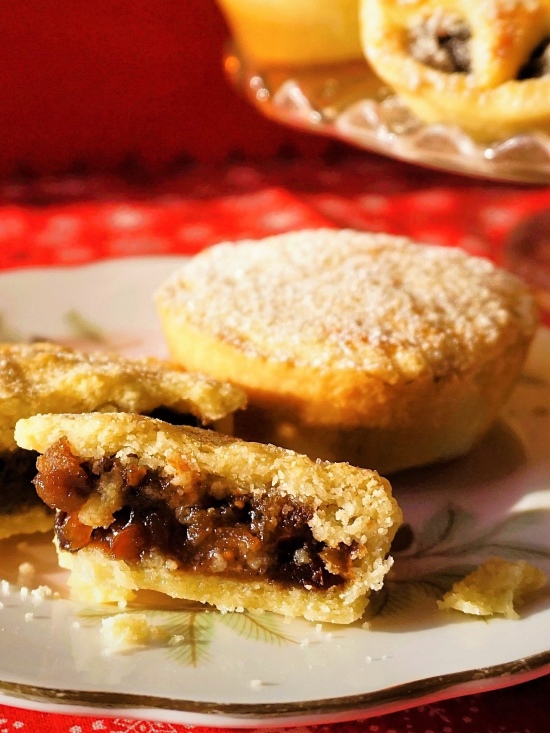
{"type": "Point", "coordinates": [520, 709]}
{"type": "Point", "coordinates": [72, 220]}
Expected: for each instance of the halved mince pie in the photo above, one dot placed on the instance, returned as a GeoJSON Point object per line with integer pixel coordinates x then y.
{"type": "Point", "coordinates": [42, 377]}
{"type": "Point", "coordinates": [198, 515]}
{"type": "Point", "coordinates": [481, 64]}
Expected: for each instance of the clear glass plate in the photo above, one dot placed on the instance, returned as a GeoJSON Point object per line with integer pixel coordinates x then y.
{"type": "Point", "coordinates": [348, 102]}
{"type": "Point", "coordinates": [246, 670]}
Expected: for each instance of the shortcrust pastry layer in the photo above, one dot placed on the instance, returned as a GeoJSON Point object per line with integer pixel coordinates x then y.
{"type": "Point", "coordinates": [197, 515]}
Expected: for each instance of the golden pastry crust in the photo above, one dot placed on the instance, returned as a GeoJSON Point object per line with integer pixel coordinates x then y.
{"type": "Point", "coordinates": [31, 519]}
{"type": "Point", "coordinates": [494, 88]}
{"type": "Point", "coordinates": [348, 510]}
{"type": "Point", "coordinates": [43, 378]}
{"type": "Point", "coordinates": [353, 346]}
{"type": "Point", "coordinates": [495, 587]}
{"type": "Point", "coordinates": [283, 32]}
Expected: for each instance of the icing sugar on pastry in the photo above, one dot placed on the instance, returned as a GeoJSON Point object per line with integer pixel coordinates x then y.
{"type": "Point", "coordinates": [349, 300]}
{"type": "Point", "coordinates": [353, 346]}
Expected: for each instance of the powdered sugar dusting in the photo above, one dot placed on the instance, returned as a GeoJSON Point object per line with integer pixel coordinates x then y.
{"type": "Point", "coordinates": [350, 299]}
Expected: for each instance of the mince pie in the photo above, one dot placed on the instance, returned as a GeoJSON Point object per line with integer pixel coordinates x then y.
{"type": "Point", "coordinates": [141, 504]}
{"type": "Point", "coordinates": [481, 64]}
{"type": "Point", "coordinates": [43, 377]}
{"type": "Point", "coordinates": [353, 346]}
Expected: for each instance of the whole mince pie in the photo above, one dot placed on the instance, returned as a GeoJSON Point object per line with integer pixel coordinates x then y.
{"type": "Point", "coordinates": [353, 346]}
{"type": "Point", "coordinates": [483, 65]}
{"type": "Point", "coordinates": [47, 378]}
{"type": "Point", "coordinates": [141, 504]}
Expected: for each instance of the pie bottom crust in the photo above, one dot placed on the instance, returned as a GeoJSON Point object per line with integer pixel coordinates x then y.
{"type": "Point", "coordinates": [96, 578]}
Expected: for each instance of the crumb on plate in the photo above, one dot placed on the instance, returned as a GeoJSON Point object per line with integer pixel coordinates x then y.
{"type": "Point", "coordinates": [495, 587]}
{"type": "Point", "coordinates": [126, 630]}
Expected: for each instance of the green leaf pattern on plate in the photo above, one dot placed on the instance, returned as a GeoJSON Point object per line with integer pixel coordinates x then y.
{"type": "Point", "coordinates": [186, 634]}
{"type": "Point", "coordinates": [77, 327]}
{"type": "Point", "coordinates": [262, 627]}
{"type": "Point", "coordinates": [451, 538]}
{"type": "Point", "coordinates": [82, 328]}
{"type": "Point", "coordinates": [7, 334]}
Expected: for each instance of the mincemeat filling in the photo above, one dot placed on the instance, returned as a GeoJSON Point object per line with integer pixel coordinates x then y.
{"type": "Point", "coordinates": [17, 470]}
{"type": "Point", "coordinates": [175, 418]}
{"type": "Point", "coordinates": [539, 63]}
{"type": "Point", "coordinates": [205, 525]}
{"type": "Point", "coordinates": [442, 42]}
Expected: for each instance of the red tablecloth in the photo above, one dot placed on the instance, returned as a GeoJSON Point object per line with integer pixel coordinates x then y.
{"type": "Point", "coordinates": [73, 220]}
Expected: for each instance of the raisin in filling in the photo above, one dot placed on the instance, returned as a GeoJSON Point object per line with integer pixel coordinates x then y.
{"type": "Point", "coordinates": [17, 470]}
{"type": "Point", "coordinates": [204, 526]}
{"type": "Point", "coordinates": [538, 64]}
{"type": "Point", "coordinates": [442, 42]}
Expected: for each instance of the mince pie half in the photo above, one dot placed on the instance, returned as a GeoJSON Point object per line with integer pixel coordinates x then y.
{"type": "Point", "coordinates": [43, 377]}
{"type": "Point", "coordinates": [481, 64]}
{"type": "Point", "coordinates": [141, 504]}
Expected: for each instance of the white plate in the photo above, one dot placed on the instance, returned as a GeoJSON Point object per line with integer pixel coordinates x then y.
{"type": "Point", "coordinates": [250, 670]}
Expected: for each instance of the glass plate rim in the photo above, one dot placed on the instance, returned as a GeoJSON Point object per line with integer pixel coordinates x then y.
{"type": "Point", "coordinates": [286, 102]}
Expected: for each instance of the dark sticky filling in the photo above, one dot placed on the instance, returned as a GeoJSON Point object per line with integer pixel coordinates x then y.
{"type": "Point", "coordinates": [175, 418]}
{"type": "Point", "coordinates": [17, 470]}
{"type": "Point", "coordinates": [538, 64]}
{"type": "Point", "coordinates": [442, 42]}
{"type": "Point", "coordinates": [204, 526]}
{"type": "Point", "coordinates": [18, 467]}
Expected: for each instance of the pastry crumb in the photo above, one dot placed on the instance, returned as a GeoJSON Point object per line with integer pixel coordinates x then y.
{"type": "Point", "coordinates": [40, 594]}
{"type": "Point", "coordinates": [26, 572]}
{"type": "Point", "coordinates": [495, 588]}
{"type": "Point", "coordinates": [127, 630]}
{"type": "Point", "coordinates": [176, 639]}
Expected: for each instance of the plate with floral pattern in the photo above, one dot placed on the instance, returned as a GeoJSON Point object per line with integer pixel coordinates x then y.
{"type": "Point", "coordinates": [261, 670]}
